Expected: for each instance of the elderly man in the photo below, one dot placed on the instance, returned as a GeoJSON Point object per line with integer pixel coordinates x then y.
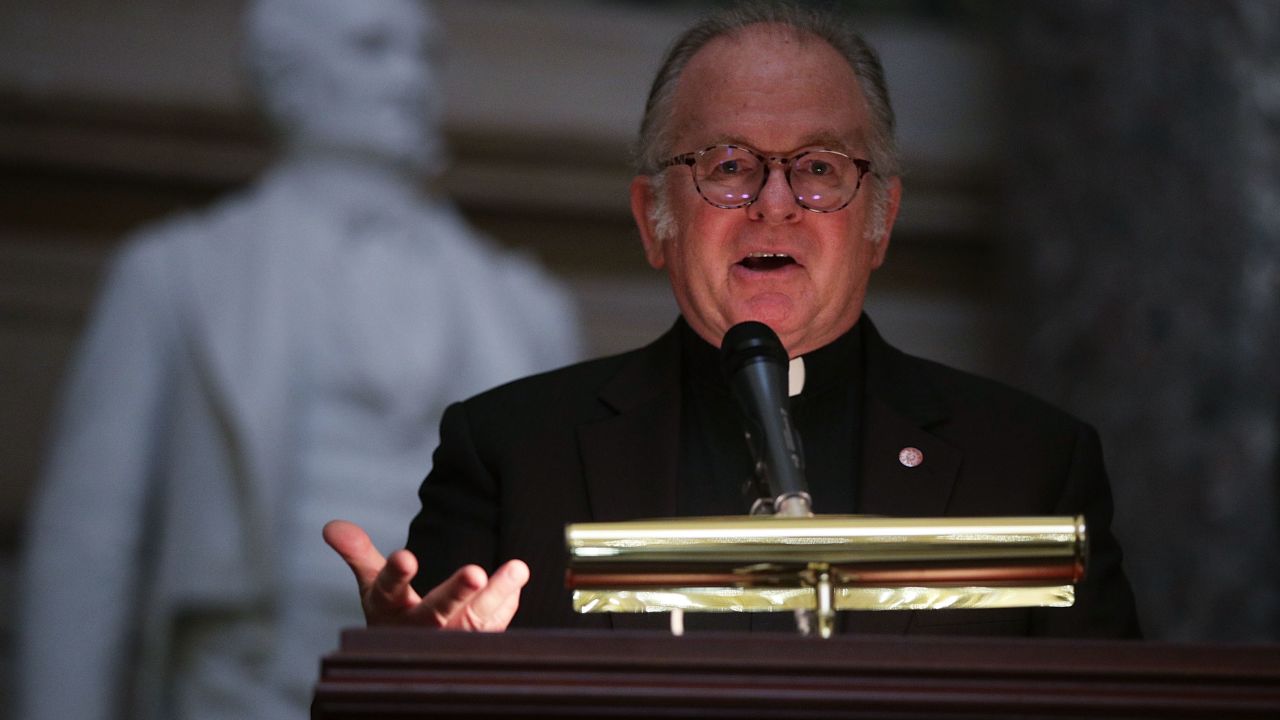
{"type": "Point", "coordinates": [767, 191]}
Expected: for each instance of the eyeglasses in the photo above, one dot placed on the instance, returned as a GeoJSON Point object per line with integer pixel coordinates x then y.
{"type": "Point", "coordinates": [732, 176]}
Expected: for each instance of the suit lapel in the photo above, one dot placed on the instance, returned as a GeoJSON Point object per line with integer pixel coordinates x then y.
{"type": "Point", "coordinates": [890, 487]}
{"type": "Point", "coordinates": [900, 408]}
{"type": "Point", "coordinates": [630, 458]}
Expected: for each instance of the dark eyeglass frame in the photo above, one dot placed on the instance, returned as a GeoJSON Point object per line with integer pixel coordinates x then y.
{"type": "Point", "coordinates": [691, 159]}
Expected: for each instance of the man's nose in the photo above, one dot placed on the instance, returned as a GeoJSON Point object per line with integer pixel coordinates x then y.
{"type": "Point", "coordinates": [776, 203]}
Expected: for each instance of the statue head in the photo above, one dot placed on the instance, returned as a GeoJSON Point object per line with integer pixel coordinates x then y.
{"type": "Point", "coordinates": [348, 77]}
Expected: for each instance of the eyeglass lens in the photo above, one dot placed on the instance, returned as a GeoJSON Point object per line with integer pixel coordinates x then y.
{"type": "Point", "coordinates": [730, 176]}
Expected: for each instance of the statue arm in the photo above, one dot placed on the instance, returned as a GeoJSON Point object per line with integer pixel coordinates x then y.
{"type": "Point", "coordinates": [84, 553]}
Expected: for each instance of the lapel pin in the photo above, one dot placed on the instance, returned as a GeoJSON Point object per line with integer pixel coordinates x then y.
{"type": "Point", "coordinates": [910, 457]}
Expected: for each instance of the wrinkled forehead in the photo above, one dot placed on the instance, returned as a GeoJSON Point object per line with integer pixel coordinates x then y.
{"type": "Point", "coordinates": [770, 85]}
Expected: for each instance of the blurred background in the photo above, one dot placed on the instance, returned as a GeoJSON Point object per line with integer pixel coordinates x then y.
{"type": "Point", "coordinates": [1091, 212]}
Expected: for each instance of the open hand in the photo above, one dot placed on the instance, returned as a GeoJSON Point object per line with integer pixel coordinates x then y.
{"type": "Point", "coordinates": [468, 600]}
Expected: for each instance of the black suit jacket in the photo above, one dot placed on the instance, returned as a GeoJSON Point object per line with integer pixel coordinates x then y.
{"type": "Point", "coordinates": [599, 441]}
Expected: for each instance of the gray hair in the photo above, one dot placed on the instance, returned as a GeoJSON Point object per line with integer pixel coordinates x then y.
{"type": "Point", "coordinates": [656, 127]}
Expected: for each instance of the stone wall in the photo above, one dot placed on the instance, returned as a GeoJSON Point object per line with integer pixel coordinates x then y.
{"type": "Point", "coordinates": [1144, 208]}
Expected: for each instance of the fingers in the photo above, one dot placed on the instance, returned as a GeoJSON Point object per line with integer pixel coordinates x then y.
{"type": "Point", "coordinates": [391, 597]}
{"type": "Point", "coordinates": [450, 597]}
{"type": "Point", "coordinates": [491, 608]}
{"type": "Point", "coordinates": [470, 601]}
{"type": "Point", "coordinates": [517, 574]}
{"type": "Point", "coordinates": [353, 544]}
{"type": "Point", "coordinates": [466, 601]}
{"type": "Point", "coordinates": [385, 593]}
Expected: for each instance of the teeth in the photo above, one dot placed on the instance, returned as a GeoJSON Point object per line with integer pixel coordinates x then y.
{"type": "Point", "coordinates": [767, 255]}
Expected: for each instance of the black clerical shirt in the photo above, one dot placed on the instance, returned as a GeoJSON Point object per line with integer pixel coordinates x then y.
{"type": "Point", "coordinates": [716, 466]}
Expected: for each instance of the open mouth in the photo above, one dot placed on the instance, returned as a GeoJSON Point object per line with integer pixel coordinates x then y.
{"type": "Point", "coordinates": [764, 261]}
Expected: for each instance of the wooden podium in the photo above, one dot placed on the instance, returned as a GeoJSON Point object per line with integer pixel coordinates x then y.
{"type": "Point", "coordinates": [404, 673]}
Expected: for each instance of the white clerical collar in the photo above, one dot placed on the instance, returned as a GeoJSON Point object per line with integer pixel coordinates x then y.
{"type": "Point", "coordinates": [795, 377]}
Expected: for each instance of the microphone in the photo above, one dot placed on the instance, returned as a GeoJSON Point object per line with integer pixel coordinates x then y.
{"type": "Point", "coordinates": [756, 364]}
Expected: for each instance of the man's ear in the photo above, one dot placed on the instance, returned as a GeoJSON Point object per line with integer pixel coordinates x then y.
{"type": "Point", "coordinates": [641, 209]}
{"type": "Point", "coordinates": [893, 187]}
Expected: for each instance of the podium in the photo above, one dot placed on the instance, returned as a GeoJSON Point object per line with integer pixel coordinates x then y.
{"type": "Point", "coordinates": [405, 673]}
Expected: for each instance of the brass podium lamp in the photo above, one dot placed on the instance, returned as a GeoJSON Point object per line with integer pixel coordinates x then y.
{"type": "Point", "coordinates": [822, 564]}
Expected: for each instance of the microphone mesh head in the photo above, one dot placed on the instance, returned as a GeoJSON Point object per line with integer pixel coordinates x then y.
{"type": "Point", "coordinates": [748, 342]}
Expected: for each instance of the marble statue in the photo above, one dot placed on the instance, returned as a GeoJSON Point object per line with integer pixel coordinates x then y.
{"type": "Point", "coordinates": [257, 368]}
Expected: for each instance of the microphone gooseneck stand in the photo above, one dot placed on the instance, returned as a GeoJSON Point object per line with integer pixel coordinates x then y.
{"type": "Point", "coordinates": [756, 364]}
